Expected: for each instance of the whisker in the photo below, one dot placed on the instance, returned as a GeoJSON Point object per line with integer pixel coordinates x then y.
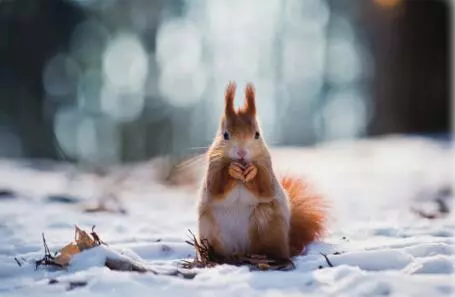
{"type": "Point", "coordinates": [191, 161]}
{"type": "Point", "coordinates": [213, 156]}
{"type": "Point", "coordinates": [216, 158]}
{"type": "Point", "coordinates": [198, 148]}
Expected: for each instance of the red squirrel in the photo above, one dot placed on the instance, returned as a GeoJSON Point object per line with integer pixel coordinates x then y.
{"type": "Point", "coordinates": [243, 208]}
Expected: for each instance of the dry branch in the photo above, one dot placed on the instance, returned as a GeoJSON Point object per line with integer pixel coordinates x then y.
{"type": "Point", "coordinates": [48, 259]}
{"type": "Point", "coordinates": [327, 260]}
{"type": "Point", "coordinates": [442, 210]}
{"type": "Point", "coordinates": [18, 262]}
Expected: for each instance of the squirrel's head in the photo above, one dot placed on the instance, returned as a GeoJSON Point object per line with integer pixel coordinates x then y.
{"type": "Point", "coordinates": [239, 136]}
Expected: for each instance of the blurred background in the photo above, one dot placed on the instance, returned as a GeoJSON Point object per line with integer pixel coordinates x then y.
{"type": "Point", "coordinates": [112, 81]}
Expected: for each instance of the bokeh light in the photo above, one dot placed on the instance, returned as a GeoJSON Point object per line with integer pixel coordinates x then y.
{"type": "Point", "coordinates": [344, 116]}
{"type": "Point", "coordinates": [345, 65]}
{"type": "Point", "coordinates": [98, 141]}
{"type": "Point", "coordinates": [152, 74]}
{"type": "Point", "coordinates": [66, 123]}
{"type": "Point", "coordinates": [387, 3]}
{"type": "Point", "coordinates": [182, 77]}
{"type": "Point", "coordinates": [60, 76]}
{"type": "Point", "coordinates": [88, 41]}
{"type": "Point", "coordinates": [10, 144]}
{"type": "Point", "coordinates": [125, 63]}
{"type": "Point", "coordinates": [303, 62]}
{"type": "Point", "coordinates": [89, 91]}
{"type": "Point", "coordinates": [121, 105]}
{"type": "Point", "coordinates": [304, 59]}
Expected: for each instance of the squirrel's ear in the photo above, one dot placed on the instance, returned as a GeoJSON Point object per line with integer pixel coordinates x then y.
{"type": "Point", "coordinates": [229, 99]}
{"type": "Point", "coordinates": [250, 105]}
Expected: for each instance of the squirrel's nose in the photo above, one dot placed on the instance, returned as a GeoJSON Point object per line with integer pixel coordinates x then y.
{"type": "Point", "coordinates": [241, 153]}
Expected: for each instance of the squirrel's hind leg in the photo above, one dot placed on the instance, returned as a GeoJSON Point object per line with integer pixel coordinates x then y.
{"type": "Point", "coordinates": [209, 230]}
{"type": "Point", "coordinates": [268, 233]}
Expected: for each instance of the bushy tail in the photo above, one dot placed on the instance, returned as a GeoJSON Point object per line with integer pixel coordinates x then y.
{"type": "Point", "coordinates": [308, 214]}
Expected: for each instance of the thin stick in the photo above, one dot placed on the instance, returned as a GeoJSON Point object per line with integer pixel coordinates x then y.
{"type": "Point", "coordinates": [327, 259]}
{"type": "Point", "coordinates": [17, 261]}
{"type": "Point", "coordinates": [46, 248]}
{"type": "Point", "coordinates": [96, 237]}
{"type": "Point", "coordinates": [48, 259]}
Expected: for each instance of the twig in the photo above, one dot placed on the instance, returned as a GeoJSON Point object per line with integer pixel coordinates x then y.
{"type": "Point", "coordinates": [7, 194]}
{"type": "Point", "coordinates": [425, 215]}
{"type": "Point", "coordinates": [206, 257]}
{"type": "Point", "coordinates": [96, 237]}
{"type": "Point", "coordinates": [443, 208]}
{"type": "Point", "coordinates": [48, 259]}
{"type": "Point", "coordinates": [46, 248]}
{"type": "Point", "coordinates": [327, 259]}
{"type": "Point", "coordinates": [442, 211]}
{"type": "Point", "coordinates": [17, 261]}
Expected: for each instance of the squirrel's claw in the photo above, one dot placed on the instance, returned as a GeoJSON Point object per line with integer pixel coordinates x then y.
{"type": "Point", "coordinates": [250, 172]}
{"type": "Point", "coordinates": [236, 171]}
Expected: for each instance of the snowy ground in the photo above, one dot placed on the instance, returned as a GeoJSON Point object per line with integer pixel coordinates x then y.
{"type": "Point", "coordinates": [386, 250]}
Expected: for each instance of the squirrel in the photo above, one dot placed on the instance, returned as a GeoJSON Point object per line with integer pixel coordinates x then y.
{"type": "Point", "coordinates": [243, 208]}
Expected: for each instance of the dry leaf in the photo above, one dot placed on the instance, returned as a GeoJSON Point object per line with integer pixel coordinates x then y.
{"type": "Point", "coordinates": [263, 266]}
{"type": "Point", "coordinates": [66, 253]}
{"type": "Point", "coordinates": [83, 240]}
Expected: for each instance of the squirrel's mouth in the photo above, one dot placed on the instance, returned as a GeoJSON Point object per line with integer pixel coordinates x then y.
{"type": "Point", "coordinates": [243, 161]}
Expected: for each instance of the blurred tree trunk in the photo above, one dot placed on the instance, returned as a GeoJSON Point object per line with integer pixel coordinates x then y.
{"type": "Point", "coordinates": [410, 44]}
{"type": "Point", "coordinates": [31, 33]}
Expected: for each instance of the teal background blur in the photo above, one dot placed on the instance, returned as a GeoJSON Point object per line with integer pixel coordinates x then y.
{"type": "Point", "coordinates": [105, 82]}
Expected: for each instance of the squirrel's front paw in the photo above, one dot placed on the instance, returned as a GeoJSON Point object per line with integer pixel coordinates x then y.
{"type": "Point", "coordinates": [250, 172]}
{"type": "Point", "coordinates": [236, 171]}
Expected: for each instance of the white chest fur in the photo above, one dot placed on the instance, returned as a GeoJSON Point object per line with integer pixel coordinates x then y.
{"type": "Point", "coordinates": [233, 218]}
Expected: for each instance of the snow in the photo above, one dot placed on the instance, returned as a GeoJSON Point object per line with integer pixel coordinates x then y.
{"type": "Point", "coordinates": [382, 248]}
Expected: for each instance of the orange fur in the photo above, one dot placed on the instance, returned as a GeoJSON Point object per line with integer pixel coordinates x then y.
{"type": "Point", "coordinates": [206, 217]}
{"type": "Point", "coordinates": [219, 182]}
{"type": "Point", "coordinates": [229, 99]}
{"type": "Point", "coordinates": [269, 239]}
{"type": "Point", "coordinates": [249, 106]}
{"type": "Point", "coordinates": [261, 185]}
{"type": "Point", "coordinates": [308, 213]}
{"type": "Point", "coordinates": [240, 124]}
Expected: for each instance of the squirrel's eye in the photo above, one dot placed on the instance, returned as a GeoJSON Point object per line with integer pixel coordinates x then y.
{"type": "Point", "coordinates": [257, 135]}
{"type": "Point", "coordinates": [226, 136]}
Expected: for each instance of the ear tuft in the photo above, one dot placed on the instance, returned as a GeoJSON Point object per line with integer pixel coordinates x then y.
{"type": "Point", "coordinates": [250, 105]}
{"type": "Point", "coordinates": [229, 99]}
